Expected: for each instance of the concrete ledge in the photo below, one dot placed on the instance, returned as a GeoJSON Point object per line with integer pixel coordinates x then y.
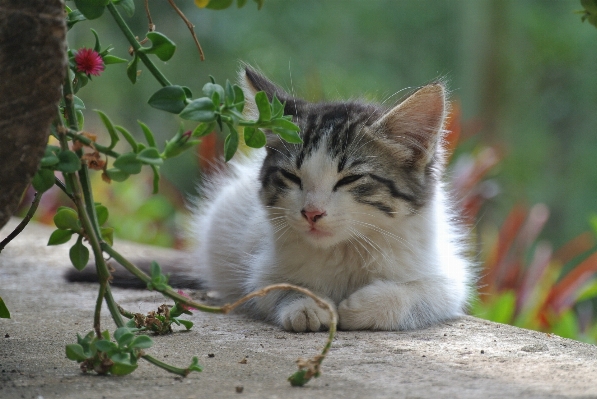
{"type": "Point", "coordinates": [466, 358]}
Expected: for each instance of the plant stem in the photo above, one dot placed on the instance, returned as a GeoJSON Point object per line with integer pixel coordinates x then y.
{"type": "Point", "coordinates": [84, 211]}
{"type": "Point", "coordinates": [146, 279]}
{"type": "Point", "coordinates": [23, 223]}
{"type": "Point", "coordinates": [136, 46]}
{"type": "Point", "coordinates": [167, 367]}
{"type": "Point", "coordinates": [98, 309]}
{"type": "Point", "coordinates": [247, 123]}
{"type": "Point", "coordinates": [89, 221]}
{"type": "Point", "coordinates": [125, 313]}
{"type": "Point", "coordinates": [61, 185]}
{"type": "Point", "coordinates": [113, 307]}
{"type": "Point", "coordinates": [71, 115]}
{"type": "Point", "coordinates": [90, 143]}
{"type": "Point", "coordinates": [88, 197]}
{"type": "Point", "coordinates": [93, 240]}
{"type": "Point", "coordinates": [326, 348]}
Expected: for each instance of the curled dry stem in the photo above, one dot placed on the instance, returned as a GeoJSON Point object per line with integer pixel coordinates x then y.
{"type": "Point", "coordinates": [289, 287]}
{"type": "Point", "coordinates": [308, 368]}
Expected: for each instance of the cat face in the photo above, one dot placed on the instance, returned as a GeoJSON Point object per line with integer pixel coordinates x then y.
{"type": "Point", "coordinates": [359, 171]}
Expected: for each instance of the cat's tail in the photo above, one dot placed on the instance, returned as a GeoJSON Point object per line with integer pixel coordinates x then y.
{"type": "Point", "coordinates": [179, 275]}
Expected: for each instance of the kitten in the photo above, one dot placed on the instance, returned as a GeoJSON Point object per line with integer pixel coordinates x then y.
{"type": "Point", "coordinates": [357, 213]}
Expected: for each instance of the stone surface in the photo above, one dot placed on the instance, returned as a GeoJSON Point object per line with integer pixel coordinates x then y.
{"type": "Point", "coordinates": [465, 358]}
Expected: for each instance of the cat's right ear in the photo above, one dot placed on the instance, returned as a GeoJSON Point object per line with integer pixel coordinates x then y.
{"type": "Point", "coordinates": [252, 82]}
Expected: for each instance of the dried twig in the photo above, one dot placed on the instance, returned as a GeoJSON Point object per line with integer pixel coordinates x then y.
{"type": "Point", "coordinates": [151, 24]}
{"type": "Point", "coordinates": [190, 26]}
{"type": "Point", "coordinates": [289, 287]}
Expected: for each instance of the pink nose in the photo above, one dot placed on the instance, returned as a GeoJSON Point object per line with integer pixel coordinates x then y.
{"type": "Point", "coordinates": [313, 216]}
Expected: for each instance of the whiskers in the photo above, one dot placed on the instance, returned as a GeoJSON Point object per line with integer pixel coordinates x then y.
{"type": "Point", "coordinates": [372, 248]}
{"type": "Point", "coordinates": [354, 241]}
{"type": "Point", "coordinates": [374, 243]}
{"type": "Point", "coordinates": [277, 207]}
{"type": "Point", "coordinates": [357, 239]}
{"type": "Point", "coordinates": [386, 234]}
{"type": "Point", "coordinates": [287, 155]}
{"type": "Point", "coordinates": [278, 221]}
{"type": "Point", "coordinates": [281, 227]}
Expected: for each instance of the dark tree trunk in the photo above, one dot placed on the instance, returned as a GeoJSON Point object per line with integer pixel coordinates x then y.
{"type": "Point", "coordinates": [32, 68]}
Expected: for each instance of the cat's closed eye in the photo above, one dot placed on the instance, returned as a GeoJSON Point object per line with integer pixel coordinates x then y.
{"type": "Point", "coordinates": [347, 180]}
{"type": "Point", "coordinates": [292, 177]}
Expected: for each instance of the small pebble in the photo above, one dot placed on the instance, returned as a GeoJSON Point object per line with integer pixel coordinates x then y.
{"type": "Point", "coordinates": [239, 389]}
{"type": "Point", "coordinates": [244, 361]}
{"type": "Point", "coordinates": [211, 355]}
{"type": "Point", "coordinates": [482, 351]}
{"type": "Point", "coordinates": [6, 335]}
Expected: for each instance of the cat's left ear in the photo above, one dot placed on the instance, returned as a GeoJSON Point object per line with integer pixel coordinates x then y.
{"type": "Point", "coordinates": [417, 123]}
{"type": "Point", "coordinates": [253, 82]}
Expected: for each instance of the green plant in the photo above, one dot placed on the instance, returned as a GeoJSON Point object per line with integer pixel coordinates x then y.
{"type": "Point", "coordinates": [78, 153]}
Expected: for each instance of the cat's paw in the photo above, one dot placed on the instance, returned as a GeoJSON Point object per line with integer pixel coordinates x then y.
{"type": "Point", "coordinates": [303, 315]}
{"type": "Point", "coordinates": [357, 313]}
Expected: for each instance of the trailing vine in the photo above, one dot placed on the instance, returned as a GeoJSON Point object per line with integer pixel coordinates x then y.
{"type": "Point", "coordinates": [78, 154]}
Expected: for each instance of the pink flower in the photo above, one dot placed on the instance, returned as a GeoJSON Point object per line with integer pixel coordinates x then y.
{"type": "Point", "coordinates": [89, 62]}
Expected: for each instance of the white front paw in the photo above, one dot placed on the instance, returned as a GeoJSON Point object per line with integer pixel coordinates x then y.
{"type": "Point", "coordinates": [304, 315]}
{"type": "Point", "coordinates": [356, 313]}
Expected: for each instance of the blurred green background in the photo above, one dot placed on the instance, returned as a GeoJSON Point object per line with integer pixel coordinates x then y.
{"type": "Point", "coordinates": [523, 72]}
